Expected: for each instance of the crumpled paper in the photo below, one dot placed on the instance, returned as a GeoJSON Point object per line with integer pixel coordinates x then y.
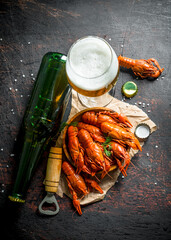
{"type": "Point", "coordinates": [135, 115]}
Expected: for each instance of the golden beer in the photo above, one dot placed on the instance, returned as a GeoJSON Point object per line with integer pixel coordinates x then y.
{"type": "Point", "coordinates": [92, 68]}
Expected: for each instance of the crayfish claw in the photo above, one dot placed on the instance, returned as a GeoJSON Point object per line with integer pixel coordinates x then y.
{"type": "Point", "coordinates": [76, 204]}
{"type": "Point", "coordinates": [93, 184]}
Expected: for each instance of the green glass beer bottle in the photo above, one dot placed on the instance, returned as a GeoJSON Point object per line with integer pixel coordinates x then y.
{"type": "Point", "coordinates": [42, 118]}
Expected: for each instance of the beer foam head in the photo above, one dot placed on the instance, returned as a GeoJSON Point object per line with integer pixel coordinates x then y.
{"type": "Point", "coordinates": [91, 64]}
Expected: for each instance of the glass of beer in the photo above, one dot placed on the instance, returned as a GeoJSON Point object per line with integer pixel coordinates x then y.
{"type": "Point", "coordinates": [92, 69]}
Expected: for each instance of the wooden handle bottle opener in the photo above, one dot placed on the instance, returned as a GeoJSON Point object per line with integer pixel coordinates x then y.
{"type": "Point", "coordinates": [51, 181]}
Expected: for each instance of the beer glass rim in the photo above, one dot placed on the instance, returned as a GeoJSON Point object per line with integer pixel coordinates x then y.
{"type": "Point", "coordinates": [110, 48]}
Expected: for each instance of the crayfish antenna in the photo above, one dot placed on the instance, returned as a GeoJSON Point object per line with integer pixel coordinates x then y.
{"type": "Point", "coordinates": [132, 164]}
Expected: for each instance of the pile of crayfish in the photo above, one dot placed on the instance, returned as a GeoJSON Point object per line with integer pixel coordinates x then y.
{"type": "Point", "coordinates": [99, 141]}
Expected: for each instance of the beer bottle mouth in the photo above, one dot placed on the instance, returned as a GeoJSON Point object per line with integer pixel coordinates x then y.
{"type": "Point", "coordinates": [102, 70]}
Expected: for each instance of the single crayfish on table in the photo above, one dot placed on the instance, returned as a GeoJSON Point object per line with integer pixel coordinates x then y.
{"type": "Point", "coordinates": [97, 143]}
{"type": "Point", "coordinates": [142, 68]}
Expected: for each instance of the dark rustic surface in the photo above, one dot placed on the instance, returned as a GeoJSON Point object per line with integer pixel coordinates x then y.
{"type": "Point", "coordinates": [138, 206]}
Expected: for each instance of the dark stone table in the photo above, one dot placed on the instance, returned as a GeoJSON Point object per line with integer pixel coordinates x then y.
{"type": "Point", "coordinates": [138, 206]}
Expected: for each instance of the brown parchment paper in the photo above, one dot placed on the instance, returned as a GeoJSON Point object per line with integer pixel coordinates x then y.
{"type": "Point", "coordinates": [135, 115]}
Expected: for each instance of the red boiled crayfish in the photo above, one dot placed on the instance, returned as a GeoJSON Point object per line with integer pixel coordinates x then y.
{"type": "Point", "coordinates": [93, 151]}
{"type": "Point", "coordinates": [141, 67]}
{"type": "Point", "coordinates": [77, 185]}
{"type": "Point", "coordinates": [120, 154]}
{"type": "Point", "coordinates": [121, 135]}
{"type": "Point", "coordinates": [76, 151]}
{"type": "Point", "coordinates": [96, 119]}
{"type": "Point", "coordinates": [95, 132]}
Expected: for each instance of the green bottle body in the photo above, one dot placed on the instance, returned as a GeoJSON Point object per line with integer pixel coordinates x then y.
{"type": "Point", "coordinates": [42, 118]}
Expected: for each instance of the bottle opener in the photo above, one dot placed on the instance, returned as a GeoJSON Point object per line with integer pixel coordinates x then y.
{"type": "Point", "coordinates": [51, 181]}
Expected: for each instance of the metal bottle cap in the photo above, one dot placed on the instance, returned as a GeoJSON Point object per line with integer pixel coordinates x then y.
{"type": "Point", "coordinates": [129, 89]}
{"type": "Point", "coordinates": [142, 132]}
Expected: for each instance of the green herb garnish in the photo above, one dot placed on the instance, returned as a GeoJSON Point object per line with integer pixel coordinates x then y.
{"type": "Point", "coordinates": [108, 140]}
{"type": "Point", "coordinates": [64, 124]}
{"type": "Point", "coordinates": [108, 153]}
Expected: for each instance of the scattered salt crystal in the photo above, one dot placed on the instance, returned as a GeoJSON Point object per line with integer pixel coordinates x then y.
{"type": "Point", "coordinates": [2, 190]}
{"type": "Point", "coordinates": [31, 74]}
{"type": "Point", "coordinates": [2, 149]}
{"type": "Point", "coordinates": [0, 39]}
{"type": "Point", "coordinates": [156, 146]}
{"type": "Point", "coordinates": [148, 104]}
{"type": "Point", "coordinates": [2, 184]}
{"type": "Point", "coordinates": [135, 103]}
{"type": "Point", "coordinates": [155, 183]}
{"type": "Point", "coordinates": [23, 75]}
{"type": "Point", "coordinates": [16, 89]}
{"type": "Point", "coordinates": [33, 78]}
{"type": "Point", "coordinates": [12, 155]}
{"type": "Point", "coordinates": [148, 155]}
{"type": "Point", "coordinates": [10, 88]}
{"type": "Point", "coordinates": [7, 166]}
{"type": "Point", "coordinates": [122, 46]}
{"type": "Point", "coordinates": [12, 110]}
{"type": "Point", "coordinates": [29, 42]}
{"type": "Point", "coordinates": [149, 111]}
{"type": "Point", "coordinates": [123, 177]}
{"type": "Point", "coordinates": [139, 103]}
{"type": "Point", "coordinates": [21, 96]}
{"type": "Point", "coordinates": [162, 77]}
{"type": "Point", "coordinates": [21, 60]}
{"type": "Point", "coordinates": [110, 39]}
